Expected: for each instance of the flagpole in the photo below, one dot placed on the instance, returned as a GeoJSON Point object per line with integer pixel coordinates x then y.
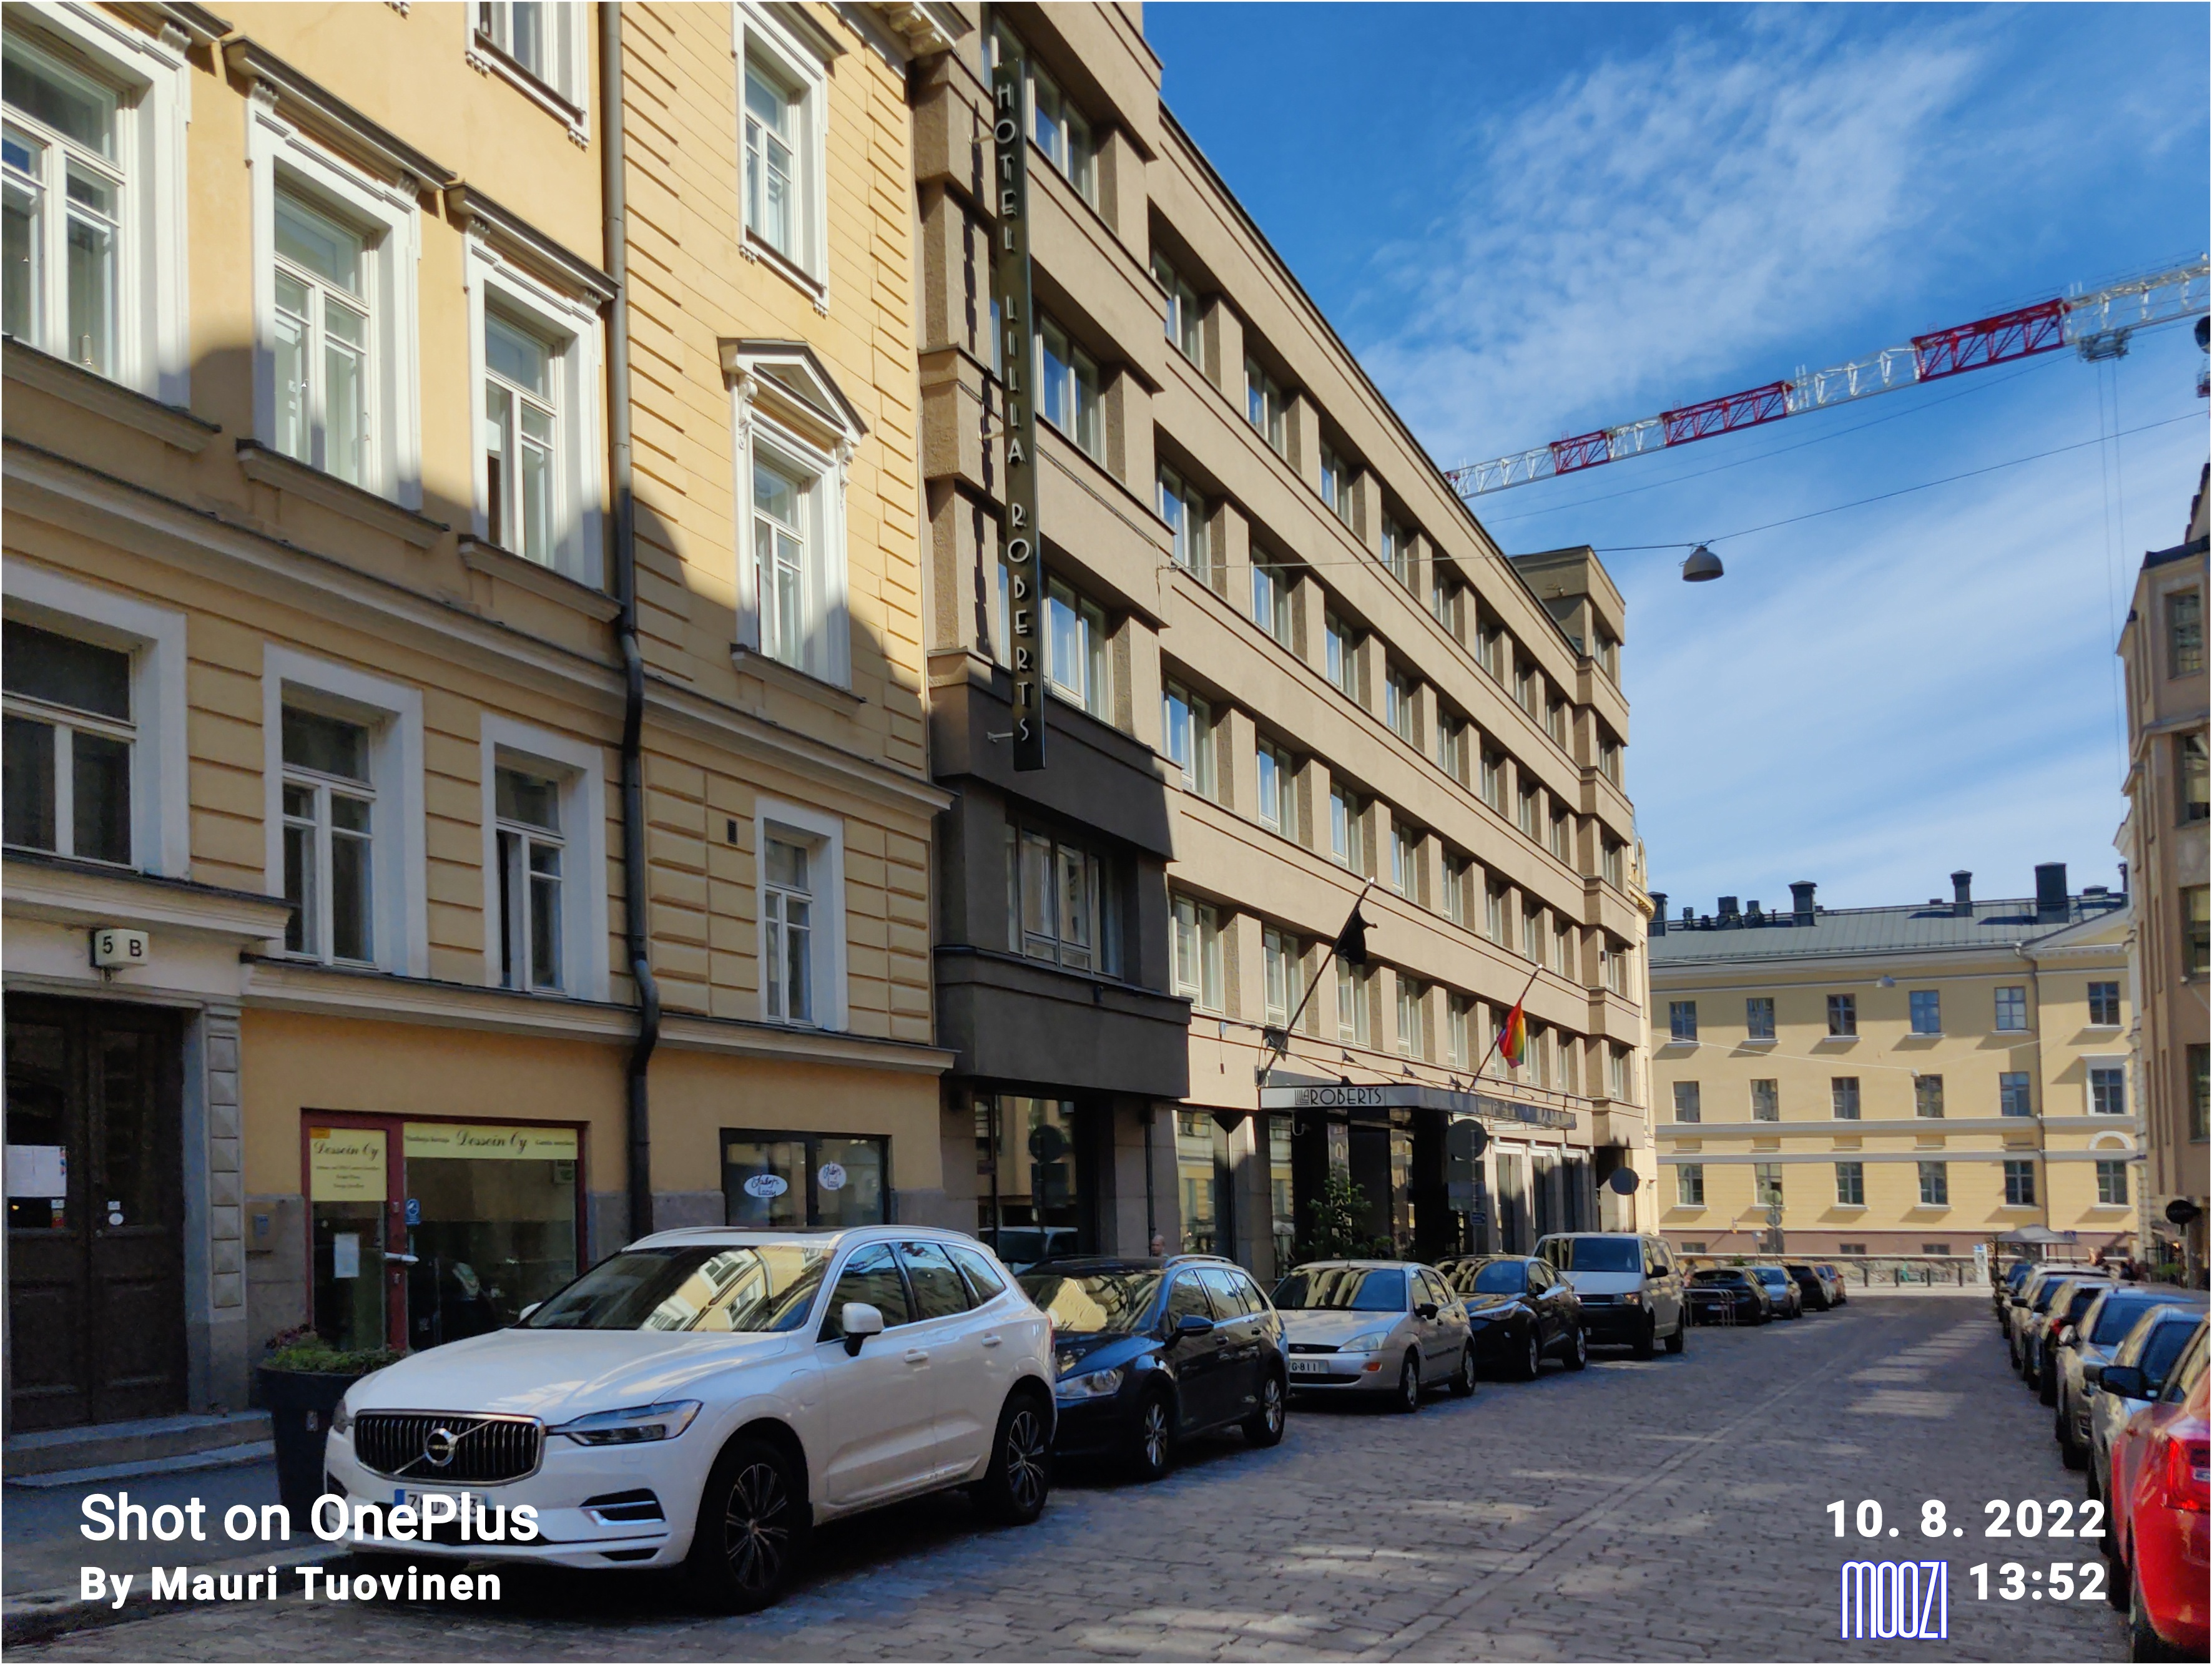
{"type": "Point", "coordinates": [1500, 1035]}
{"type": "Point", "coordinates": [1270, 1050]}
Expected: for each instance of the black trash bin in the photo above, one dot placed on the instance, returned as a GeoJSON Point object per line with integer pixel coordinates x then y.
{"type": "Point", "coordinates": [299, 1404]}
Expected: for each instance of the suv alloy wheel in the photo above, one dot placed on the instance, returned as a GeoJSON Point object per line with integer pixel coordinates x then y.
{"type": "Point", "coordinates": [753, 1525]}
{"type": "Point", "coordinates": [1013, 1489]}
{"type": "Point", "coordinates": [1153, 1454]}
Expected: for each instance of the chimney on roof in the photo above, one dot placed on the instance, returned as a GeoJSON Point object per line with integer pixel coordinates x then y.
{"type": "Point", "coordinates": [1751, 914]}
{"type": "Point", "coordinates": [1962, 894]}
{"type": "Point", "coordinates": [1689, 915]}
{"type": "Point", "coordinates": [1658, 913]}
{"type": "Point", "coordinates": [1730, 915]}
{"type": "Point", "coordinates": [2123, 879]}
{"type": "Point", "coordinates": [2050, 907]}
{"type": "Point", "coordinates": [1800, 901]}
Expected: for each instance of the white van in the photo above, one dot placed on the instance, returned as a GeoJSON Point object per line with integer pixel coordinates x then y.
{"type": "Point", "coordinates": [1629, 1287]}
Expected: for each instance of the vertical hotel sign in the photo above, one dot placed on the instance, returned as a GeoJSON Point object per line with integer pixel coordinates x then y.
{"type": "Point", "coordinates": [1010, 288]}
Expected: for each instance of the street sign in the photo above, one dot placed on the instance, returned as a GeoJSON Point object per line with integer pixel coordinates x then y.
{"type": "Point", "coordinates": [1625, 1180]}
{"type": "Point", "coordinates": [1774, 1216]}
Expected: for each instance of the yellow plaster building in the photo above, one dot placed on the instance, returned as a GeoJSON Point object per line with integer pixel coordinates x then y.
{"type": "Point", "coordinates": [352, 446]}
{"type": "Point", "coordinates": [1903, 1081]}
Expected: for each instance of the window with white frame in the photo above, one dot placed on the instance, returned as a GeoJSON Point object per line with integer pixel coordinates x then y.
{"type": "Point", "coordinates": [1197, 965]}
{"type": "Point", "coordinates": [520, 441]}
{"type": "Point", "coordinates": [1271, 600]}
{"type": "Point", "coordinates": [1532, 934]}
{"type": "Point", "coordinates": [1344, 827]}
{"type": "Point", "coordinates": [1526, 814]}
{"type": "Point", "coordinates": [66, 174]}
{"type": "Point", "coordinates": [1458, 1032]}
{"type": "Point", "coordinates": [70, 735]}
{"type": "Point", "coordinates": [92, 195]}
{"type": "Point", "coordinates": [1284, 975]}
{"type": "Point", "coordinates": [1562, 827]}
{"type": "Point", "coordinates": [788, 885]}
{"type": "Point", "coordinates": [2112, 1183]}
{"type": "Point", "coordinates": [541, 36]}
{"type": "Point", "coordinates": [795, 434]}
{"type": "Point", "coordinates": [325, 341]}
{"type": "Point", "coordinates": [1186, 727]}
{"type": "Point", "coordinates": [1398, 551]}
{"type": "Point", "coordinates": [2012, 1007]}
{"type": "Point", "coordinates": [1067, 390]}
{"type": "Point", "coordinates": [1265, 404]}
{"type": "Point", "coordinates": [1493, 780]}
{"type": "Point", "coordinates": [1352, 992]}
{"type": "Point", "coordinates": [1458, 875]}
{"type": "Point", "coordinates": [344, 822]}
{"type": "Point", "coordinates": [1184, 511]}
{"type": "Point", "coordinates": [1182, 314]}
{"type": "Point", "coordinates": [1616, 1072]}
{"type": "Point", "coordinates": [1063, 134]}
{"type": "Point", "coordinates": [1494, 915]}
{"type": "Point", "coordinates": [801, 871]}
{"type": "Point", "coordinates": [1452, 745]}
{"type": "Point", "coordinates": [1611, 860]}
{"type": "Point", "coordinates": [329, 825]}
{"type": "Point", "coordinates": [2108, 1090]}
{"type": "Point", "coordinates": [1405, 861]}
{"type": "Point", "coordinates": [1690, 1184]}
{"type": "Point", "coordinates": [1063, 902]}
{"type": "Point", "coordinates": [529, 853]}
{"type": "Point", "coordinates": [1555, 721]}
{"type": "Point", "coordinates": [1412, 1029]}
{"type": "Point", "coordinates": [783, 92]}
{"type": "Point", "coordinates": [1397, 703]}
{"type": "Point", "coordinates": [1340, 654]}
{"type": "Point", "coordinates": [1274, 775]}
{"type": "Point", "coordinates": [1336, 485]}
{"type": "Point", "coordinates": [1444, 598]}
{"type": "Point", "coordinates": [1075, 649]}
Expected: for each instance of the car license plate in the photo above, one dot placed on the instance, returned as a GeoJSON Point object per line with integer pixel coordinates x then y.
{"type": "Point", "coordinates": [1308, 1367]}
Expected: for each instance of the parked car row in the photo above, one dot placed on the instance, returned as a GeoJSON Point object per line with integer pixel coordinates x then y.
{"type": "Point", "coordinates": [703, 1398]}
{"type": "Point", "coordinates": [1760, 1292]}
{"type": "Point", "coordinates": [2123, 1367]}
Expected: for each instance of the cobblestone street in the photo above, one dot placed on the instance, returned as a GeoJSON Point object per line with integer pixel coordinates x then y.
{"type": "Point", "coordinates": [1674, 1509]}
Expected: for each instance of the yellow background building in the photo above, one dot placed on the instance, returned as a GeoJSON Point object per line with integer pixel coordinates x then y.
{"type": "Point", "coordinates": [1906, 1080]}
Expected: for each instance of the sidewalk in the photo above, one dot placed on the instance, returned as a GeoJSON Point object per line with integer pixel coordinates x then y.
{"type": "Point", "coordinates": [40, 1578]}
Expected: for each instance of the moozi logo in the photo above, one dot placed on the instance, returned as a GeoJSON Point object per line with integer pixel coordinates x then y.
{"type": "Point", "coordinates": [1901, 1601]}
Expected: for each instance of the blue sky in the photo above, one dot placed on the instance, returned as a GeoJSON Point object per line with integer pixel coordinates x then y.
{"type": "Point", "coordinates": [1566, 217]}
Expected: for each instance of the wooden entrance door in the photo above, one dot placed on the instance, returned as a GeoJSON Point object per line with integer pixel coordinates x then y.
{"type": "Point", "coordinates": [95, 1267]}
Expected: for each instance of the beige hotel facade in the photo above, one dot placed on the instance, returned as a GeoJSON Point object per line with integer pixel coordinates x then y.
{"type": "Point", "coordinates": [1284, 661]}
{"type": "Point", "coordinates": [1905, 1080]}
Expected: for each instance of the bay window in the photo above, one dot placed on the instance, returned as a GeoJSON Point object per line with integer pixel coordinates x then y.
{"type": "Point", "coordinates": [1063, 902]}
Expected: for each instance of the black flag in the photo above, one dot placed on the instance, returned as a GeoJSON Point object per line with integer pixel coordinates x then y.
{"type": "Point", "coordinates": [1352, 941]}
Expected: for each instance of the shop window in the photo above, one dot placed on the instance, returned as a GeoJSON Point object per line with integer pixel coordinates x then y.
{"type": "Point", "coordinates": [70, 738]}
{"type": "Point", "coordinates": [491, 1221]}
{"type": "Point", "coordinates": [1036, 1195]}
{"type": "Point", "coordinates": [784, 1181]}
{"type": "Point", "coordinates": [1063, 903]}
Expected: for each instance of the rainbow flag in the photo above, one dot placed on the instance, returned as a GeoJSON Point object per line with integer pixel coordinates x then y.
{"type": "Point", "coordinates": [1513, 1042]}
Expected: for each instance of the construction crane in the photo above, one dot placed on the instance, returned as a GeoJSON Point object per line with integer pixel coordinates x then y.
{"type": "Point", "coordinates": [2096, 323]}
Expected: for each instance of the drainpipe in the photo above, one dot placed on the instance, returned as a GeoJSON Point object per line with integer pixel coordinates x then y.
{"type": "Point", "coordinates": [635, 914]}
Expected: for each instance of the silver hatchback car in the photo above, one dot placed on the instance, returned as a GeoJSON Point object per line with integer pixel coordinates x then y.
{"type": "Point", "coordinates": [1375, 1327]}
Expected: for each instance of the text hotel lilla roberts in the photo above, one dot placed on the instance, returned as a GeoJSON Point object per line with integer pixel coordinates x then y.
{"type": "Point", "coordinates": [1010, 288]}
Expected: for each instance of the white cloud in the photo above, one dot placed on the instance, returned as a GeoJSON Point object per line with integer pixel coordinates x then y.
{"type": "Point", "coordinates": [1627, 235]}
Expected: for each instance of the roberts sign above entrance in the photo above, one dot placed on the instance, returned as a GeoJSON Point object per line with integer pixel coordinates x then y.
{"type": "Point", "coordinates": [1310, 1095]}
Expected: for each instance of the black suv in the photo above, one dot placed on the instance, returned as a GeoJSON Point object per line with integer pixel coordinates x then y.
{"type": "Point", "coordinates": [1152, 1353]}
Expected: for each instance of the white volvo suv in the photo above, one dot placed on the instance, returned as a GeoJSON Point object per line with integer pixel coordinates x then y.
{"type": "Point", "coordinates": [705, 1397]}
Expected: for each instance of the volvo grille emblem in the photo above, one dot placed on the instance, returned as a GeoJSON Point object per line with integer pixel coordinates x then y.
{"type": "Point", "coordinates": [438, 1449]}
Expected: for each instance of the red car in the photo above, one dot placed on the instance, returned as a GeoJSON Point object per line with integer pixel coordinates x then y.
{"type": "Point", "coordinates": [2157, 1533]}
